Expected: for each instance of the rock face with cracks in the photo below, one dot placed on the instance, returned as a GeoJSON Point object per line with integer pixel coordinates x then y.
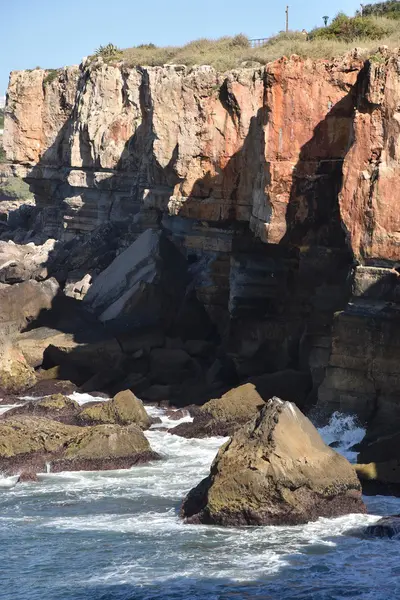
{"type": "Point", "coordinates": [275, 470]}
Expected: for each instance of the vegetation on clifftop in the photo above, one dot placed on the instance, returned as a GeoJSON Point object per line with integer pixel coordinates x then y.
{"type": "Point", "coordinates": [377, 27]}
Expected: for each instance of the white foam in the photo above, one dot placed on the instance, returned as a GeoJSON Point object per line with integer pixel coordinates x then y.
{"type": "Point", "coordinates": [81, 398]}
{"type": "Point", "coordinates": [345, 431]}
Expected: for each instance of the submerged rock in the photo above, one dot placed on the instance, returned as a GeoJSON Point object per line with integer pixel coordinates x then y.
{"type": "Point", "coordinates": [385, 527]}
{"type": "Point", "coordinates": [275, 470]}
{"type": "Point", "coordinates": [124, 409]}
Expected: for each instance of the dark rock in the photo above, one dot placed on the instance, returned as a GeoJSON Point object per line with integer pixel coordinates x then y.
{"type": "Point", "coordinates": [385, 527]}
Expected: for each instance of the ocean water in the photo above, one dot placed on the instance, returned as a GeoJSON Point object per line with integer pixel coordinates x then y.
{"type": "Point", "coordinates": [117, 535]}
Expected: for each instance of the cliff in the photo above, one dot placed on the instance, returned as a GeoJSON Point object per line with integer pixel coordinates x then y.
{"type": "Point", "coordinates": [277, 184]}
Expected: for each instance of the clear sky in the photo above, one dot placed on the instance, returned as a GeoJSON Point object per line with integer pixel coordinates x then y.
{"type": "Point", "coordinates": [55, 33]}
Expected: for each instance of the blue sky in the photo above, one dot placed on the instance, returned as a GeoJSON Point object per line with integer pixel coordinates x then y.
{"type": "Point", "coordinates": [55, 33]}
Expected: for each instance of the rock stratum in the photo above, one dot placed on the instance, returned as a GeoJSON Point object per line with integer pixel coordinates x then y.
{"type": "Point", "coordinates": [218, 226]}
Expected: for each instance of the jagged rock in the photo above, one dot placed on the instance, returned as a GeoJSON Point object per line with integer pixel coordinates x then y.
{"type": "Point", "coordinates": [275, 470]}
{"type": "Point", "coordinates": [124, 409]}
{"type": "Point", "coordinates": [385, 527]}
{"type": "Point", "coordinates": [77, 286]}
{"type": "Point", "coordinates": [144, 285]}
{"type": "Point", "coordinates": [57, 407]}
{"type": "Point", "coordinates": [23, 262]}
{"type": "Point", "coordinates": [29, 443]}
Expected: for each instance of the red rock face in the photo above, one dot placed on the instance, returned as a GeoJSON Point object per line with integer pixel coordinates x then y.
{"type": "Point", "coordinates": [284, 148]}
{"type": "Point", "coordinates": [370, 196]}
{"type": "Point", "coordinates": [271, 180]}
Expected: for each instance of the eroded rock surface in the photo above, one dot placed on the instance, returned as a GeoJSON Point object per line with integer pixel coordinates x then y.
{"type": "Point", "coordinates": [275, 470]}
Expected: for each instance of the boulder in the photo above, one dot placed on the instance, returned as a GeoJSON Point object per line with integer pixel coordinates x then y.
{"type": "Point", "coordinates": [275, 470]}
{"type": "Point", "coordinates": [385, 527]}
{"type": "Point", "coordinates": [16, 376]}
{"type": "Point", "coordinates": [124, 409]}
{"type": "Point", "coordinates": [33, 444]}
{"type": "Point", "coordinates": [222, 416]}
{"type": "Point", "coordinates": [57, 407]}
{"type": "Point", "coordinates": [105, 447]}
{"type": "Point", "coordinates": [143, 286]}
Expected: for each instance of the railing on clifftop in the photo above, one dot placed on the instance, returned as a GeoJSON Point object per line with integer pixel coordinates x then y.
{"type": "Point", "coordinates": [257, 42]}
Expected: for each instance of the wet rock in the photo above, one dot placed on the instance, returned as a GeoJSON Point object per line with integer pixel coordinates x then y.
{"type": "Point", "coordinates": [105, 447]}
{"type": "Point", "coordinates": [275, 470]}
{"type": "Point", "coordinates": [385, 527]}
{"type": "Point", "coordinates": [124, 409]}
{"type": "Point", "coordinates": [379, 465]}
{"type": "Point", "coordinates": [222, 416]}
{"type": "Point", "coordinates": [57, 407]}
{"type": "Point", "coordinates": [30, 444]}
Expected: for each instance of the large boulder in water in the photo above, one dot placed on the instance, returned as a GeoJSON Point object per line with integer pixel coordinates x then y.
{"type": "Point", "coordinates": [275, 470]}
{"type": "Point", "coordinates": [124, 409]}
{"type": "Point", "coordinates": [29, 444]}
{"type": "Point", "coordinates": [143, 285]}
{"type": "Point", "coordinates": [105, 447]}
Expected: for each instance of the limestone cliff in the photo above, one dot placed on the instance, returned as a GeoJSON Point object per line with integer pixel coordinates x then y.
{"type": "Point", "coordinates": [275, 183]}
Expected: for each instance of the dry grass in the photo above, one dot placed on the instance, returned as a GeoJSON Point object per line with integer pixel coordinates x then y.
{"type": "Point", "coordinates": [233, 52]}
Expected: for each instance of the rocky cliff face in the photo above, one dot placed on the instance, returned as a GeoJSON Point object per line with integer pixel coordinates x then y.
{"type": "Point", "coordinates": [274, 183]}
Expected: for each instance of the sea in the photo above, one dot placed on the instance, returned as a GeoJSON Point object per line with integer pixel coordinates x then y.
{"type": "Point", "coordinates": [117, 535]}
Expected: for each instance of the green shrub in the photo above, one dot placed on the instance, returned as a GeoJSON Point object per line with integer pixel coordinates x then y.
{"type": "Point", "coordinates": [390, 9]}
{"type": "Point", "coordinates": [51, 75]}
{"type": "Point", "coordinates": [109, 52]}
{"type": "Point", "coordinates": [3, 158]}
{"type": "Point", "coordinates": [349, 29]}
{"type": "Point", "coordinates": [15, 189]}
